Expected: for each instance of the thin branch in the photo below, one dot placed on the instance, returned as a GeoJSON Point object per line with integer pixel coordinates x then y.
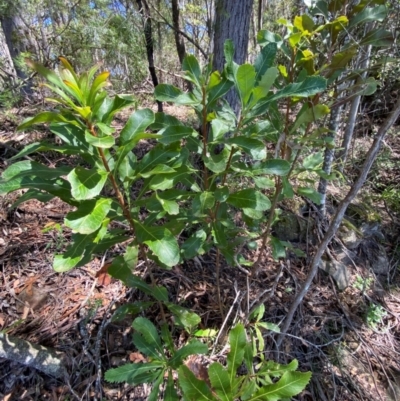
{"type": "Point", "coordinates": [337, 219]}
{"type": "Point", "coordinates": [185, 35]}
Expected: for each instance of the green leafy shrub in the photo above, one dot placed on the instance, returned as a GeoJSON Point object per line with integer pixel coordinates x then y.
{"type": "Point", "coordinates": [271, 381]}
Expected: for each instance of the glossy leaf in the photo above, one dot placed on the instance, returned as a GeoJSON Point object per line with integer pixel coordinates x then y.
{"type": "Point", "coordinates": [104, 142]}
{"type": "Point", "coordinates": [237, 342]}
{"type": "Point", "coordinates": [249, 198]}
{"type": "Point", "coordinates": [86, 184]}
{"type": "Point", "coordinates": [289, 385]}
{"type": "Point", "coordinates": [170, 393]}
{"type": "Point", "coordinates": [310, 193]}
{"type": "Point", "coordinates": [265, 60]}
{"type": "Point", "coordinates": [245, 79]}
{"type": "Point", "coordinates": [369, 14]}
{"type": "Point", "coordinates": [173, 134]}
{"type": "Point", "coordinates": [273, 166]}
{"type": "Point", "coordinates": [378, 37]}
{"type": "Point", "coordinates": [220, 381]}
{"type": "Point", "coordinates": [193, 246]}
{"type": "Point", "coordinates": [194, 347]}
{"type": "Point", "coordinates": [193, 388]}
{"type": "Point", "coordinates": [44, 117]}
{"type": "Point", "coordinates": [126, 373]}
{"type": "Point", "coordinates": [191, 65]}
{"type": "Point", "coordinates": [160, 241]}
{"type": "Point", "coordinates": [254, 147]}
{"type": "Point", "coordinates": [136, 124]}
{"type": "Point", "coordinates": [89, 215]}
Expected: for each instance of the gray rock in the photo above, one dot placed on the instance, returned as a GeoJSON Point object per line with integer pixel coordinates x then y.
{"type": "Point", "coordinates": [338, 271]}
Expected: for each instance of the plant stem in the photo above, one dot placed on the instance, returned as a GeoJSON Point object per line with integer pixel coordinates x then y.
{"type": "Point", "coordinates": [265, 235]}
{"type": "Point", "coordinates": [218, 270]}
{"type": "Point", "coordinates": [114, 184]}
{"type": "Point", "coordinates": [204, 134]}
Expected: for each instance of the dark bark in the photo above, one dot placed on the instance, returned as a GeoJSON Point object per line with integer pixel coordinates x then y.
{"type": "Point", "coordinates": [148, 34]}
{"type": "Point", "coordinates": [232, 21]}
{"type": "Point", "coordinates": [180, 44]}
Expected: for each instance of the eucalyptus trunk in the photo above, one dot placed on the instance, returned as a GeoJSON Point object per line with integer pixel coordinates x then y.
{"type": "Point", "coordinates": [232, 21]}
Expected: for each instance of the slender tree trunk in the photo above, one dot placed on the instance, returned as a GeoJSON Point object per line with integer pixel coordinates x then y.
{"type": "Point", "coordinates": [337, 219]}
{"type": "Point", "coordinates": [16, 43]}
{"type": "Point", "coordinates": [148, 34]}
{"type": "Point", "coordinates": [355, 104]}
{"type": "Point", "coordinates": [232, 21]}
{"type": "Point", "coordinates": [333, 127]}
{"type": "Point", "coordinates": [180, 43]}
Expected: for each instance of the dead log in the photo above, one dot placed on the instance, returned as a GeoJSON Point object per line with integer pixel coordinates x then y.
{"type": "Point", "coordinates": [45, 359]}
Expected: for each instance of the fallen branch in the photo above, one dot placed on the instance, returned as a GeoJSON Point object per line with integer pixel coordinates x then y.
{"type": "Point", "coordinates": [338, 217]}
{"type": "Point", "coordinates": [45, 359]}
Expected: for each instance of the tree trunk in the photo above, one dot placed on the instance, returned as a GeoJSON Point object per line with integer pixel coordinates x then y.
{"type": "Point", "coordinates": [148, 34]}
{"type": "Point", "coordinates": [351, 122]}
{"type": "Point", "coordinates": [333, 127]}
{"type": "Point", "coordinates": [16, 42]}
{"type": "Point", "coordinates": [338, 217]}
{"type": "Point", "coordinates": [180, 44]}
{"type": "Point", "coordinates": [232, 21]}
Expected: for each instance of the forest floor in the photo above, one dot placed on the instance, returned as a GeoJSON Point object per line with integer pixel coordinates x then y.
{"type": "Point", "coordinates": [350, 340]}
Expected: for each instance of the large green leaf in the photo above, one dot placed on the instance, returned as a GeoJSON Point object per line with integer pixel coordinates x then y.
{"type": "Point", "coordinates": [183, 316]}
{"type": "Point", "coordinates": [111, 106]}
{"type": "Point", "coordinates": [149, 332]}
{"type": "Point", "coordinates": [86, 184]}
{"type": "Point", "coordinates": [44, 117]}
{"type": "Point", "coordinates": [378, 37]}
{"type": "Point", "coordinates": [310, 193]}
{"type": "Point", "coordinates": [33, 169]}
{"type": "Point", "coordinates": [126, 373]}
{"type": "Point", "coordinates": [170, 393]}
{"type": "Point", "coordinates": [310, 114]}
{"type": "Point", "coordinates": [249, 198]}
{"type": "Point", "coordinates": [220, 381]}
{"type": "Point", "coordinates": [136, 124]}
{"type": "Point", "coordinates": [377, 13]}
{"type": "Point", "coordinates": [194, 347]}
{"type": "Point", "coordinates": [309, 87]}
{"type": "Point", "coordinates": [237, 342]}
{"type": "Point", "coordinates": [191, 66]}
{"type": "Point", "coordinates": [193, 388]}
{"type": "Point", "coordinates": [272, 166]}
{"type": "Point", "coordinates": [170, 93]}
{"type": "Point", "coordinates": [89, 216]}
{"type": "Point", "coordinates": [103, 142]}
{"type": "Point", "coordinates": [163, 120]}
{"type": "Point", "coordinates": [193, 246]}
{"type": "Point", "coordinates": [265, 60]}
{"type": "Point", "coordinates": [175, 133]}
{"type": "Point", "coordinates": [79, 251]}
{"type": "Point", "coordinates": [218, 91]}
{"type": "Point", "coordinates": [202, 203]}
{"type": "Point", "coordinates": [290, 384]}
{"type": "Point", "coordinates": [161, 241]}
{"type": "Point", "coordinates": [252, 146]}
{"type": "Point", "coordinates": [245, 79]}
{"type": "Point", "coordinates": [59, 188]}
